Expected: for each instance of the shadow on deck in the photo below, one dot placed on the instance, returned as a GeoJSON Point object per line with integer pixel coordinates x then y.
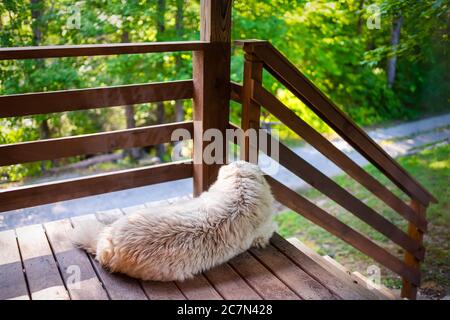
{"type": "Point", "coordinates": [40, 262]}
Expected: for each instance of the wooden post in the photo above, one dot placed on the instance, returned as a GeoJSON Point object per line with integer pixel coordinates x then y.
{"type": "Point", "coordinates": [211, 73]}
{"type": "Point", "coordinates": [409, 290]}
{"type": "Point", "coordinates": [251, 111]}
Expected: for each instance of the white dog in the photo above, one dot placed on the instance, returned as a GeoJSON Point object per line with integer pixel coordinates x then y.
{"type": "Point", "coordinates": [176, 242]}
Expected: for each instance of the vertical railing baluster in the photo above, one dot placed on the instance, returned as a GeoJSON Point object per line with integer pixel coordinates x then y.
{"type": "Point", "coordinates": [251, 111]}
{"type": "Point", "coordinates": [409, 290]}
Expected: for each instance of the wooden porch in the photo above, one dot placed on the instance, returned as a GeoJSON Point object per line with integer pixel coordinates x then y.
{"type": "Point", "coordinates": [40, 262]}
{"type": "Point", "coordinates": [34, 260]}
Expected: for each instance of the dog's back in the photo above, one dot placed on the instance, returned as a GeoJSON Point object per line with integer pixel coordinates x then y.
{"type": "Point", "coordinates": [178, 241]}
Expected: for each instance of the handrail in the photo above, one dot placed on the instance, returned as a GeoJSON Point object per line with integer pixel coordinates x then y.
{"type": "Point", "coordinates": [260, 55]}
{"type": "Point", "coordinates": [285, 72]}
{"type": "Point", "coordinates": [81, 99]}
{"type": "Point", "coordinates": [59, 51]}
{"type": "Point", "coordinates": [49, 149]}
{"type": "Point", "coordinates": [43, 193]}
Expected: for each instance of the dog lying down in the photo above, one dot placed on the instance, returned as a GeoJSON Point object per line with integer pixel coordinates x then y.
{"type": "Point", "coordinates": [176, 242]}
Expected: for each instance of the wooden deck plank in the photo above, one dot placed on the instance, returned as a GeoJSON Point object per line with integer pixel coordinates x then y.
{"type": "Point", "coordinates": [292, 276]}
{"type": "Point", "coordinates": [280, 271]}
{"type": "Point", "coordinates": [198, 288]}
{"type": "Point", "coordinates": [76, 268]}
{"type": "Point", "coordinates": [261, 279]}
{"type": "Point", "coordinates": [44, 278]}
{"type": "Point", "coordinates": [324, 276]}
{"type": "Point", "coordinates": [12, 279]}
{"type": "Point", "coordinates": [118, 286]}
{"type": "Point", "coordinates": [159, 290]}
{"type": "Point", "coordinates": [229, 284]}
{"type": "Point", "coordinates": [333, 267]}
{"type": "Point", "coordinates": [340, 271]}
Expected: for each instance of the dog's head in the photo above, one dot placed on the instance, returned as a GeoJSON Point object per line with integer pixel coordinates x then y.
{"type": "Point", "coordinates": [241, 169]}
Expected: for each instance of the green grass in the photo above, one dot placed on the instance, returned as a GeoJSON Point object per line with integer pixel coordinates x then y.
{"type": "Point", "coordinates": [431, 168]}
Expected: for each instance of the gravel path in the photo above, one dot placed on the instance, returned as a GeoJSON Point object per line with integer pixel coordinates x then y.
{"type": "Point", "coordinates": [397, 140]}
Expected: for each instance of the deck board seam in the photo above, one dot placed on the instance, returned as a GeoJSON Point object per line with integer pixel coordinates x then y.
{"type": "Point", "coordinates": [179, 289]}
{"type": "Point", "coordinates": [143, 290]}
{"type": "Point", "coordinates": [270, 270]}
{"type": "Point", "coordinates": [93, 267]}
{"type": "Point", "coordinates": [24, 271]}
{"type": "Point", "coordinates": [246, 281]}
{"type": "Point", "coordinates": [91, 260]}
{"type": "Point", "coordinates": [335, 293]}
{"type": "Point", "coordinates": [239, 275]}
{"type": "Point", "coordinates": [57, 262]}
{"type": "Point", "coordinates": [213, 286]}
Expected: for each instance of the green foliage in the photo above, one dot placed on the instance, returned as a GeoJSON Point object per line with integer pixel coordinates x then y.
{"type": "Point", "coordinates": [326, 39]}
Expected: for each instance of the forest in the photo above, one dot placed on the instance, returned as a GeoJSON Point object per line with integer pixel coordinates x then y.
{"type": "Point", "coordinates": [379, 61]}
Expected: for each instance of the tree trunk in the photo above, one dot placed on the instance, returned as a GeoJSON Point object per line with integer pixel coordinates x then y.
{"type": "Point", "coordinates": [360, 16]}
{"type": "Point", "coordinates": [36, 16]}
{"type": "Point", "coordinates": [179, 28]}
{"type": "Point", "coordinates": [395, 39]}
{"type": "Point", "coordinates": [160, 29]}
{"type": "Point", "coordinates": [133, 153]}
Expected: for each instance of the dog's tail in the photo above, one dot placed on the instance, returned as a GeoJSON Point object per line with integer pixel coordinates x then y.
{"type": "Point", "coordinates": [85, 235]}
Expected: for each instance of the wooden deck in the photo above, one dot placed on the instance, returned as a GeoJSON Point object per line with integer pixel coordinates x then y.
{"type": "Point", "coordinates": [39, 262]}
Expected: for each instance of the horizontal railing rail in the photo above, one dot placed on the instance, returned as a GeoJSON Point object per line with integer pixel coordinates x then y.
{"type": "Point", "coordinates": [49, 149]}
{"type": "Point", "coordinates": [81, 99]}
{"type": "Point", "coordinates": [33, 195]}
{"type": "Point", "coordinates": [60, 51]}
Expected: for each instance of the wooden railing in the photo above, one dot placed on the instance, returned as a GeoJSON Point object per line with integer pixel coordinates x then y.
{"type": "Point", "coordinates": [261, 55]}
{"type": "Point", "coordinates": [210, 91]}
{"type": "Point", "coordinates": [209, 88]}
{"type": "Point", "coordinates": [81, 99]}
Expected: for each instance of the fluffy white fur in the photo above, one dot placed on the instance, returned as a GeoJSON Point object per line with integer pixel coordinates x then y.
{"type": "Point", "coordinates": [175, 242]}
